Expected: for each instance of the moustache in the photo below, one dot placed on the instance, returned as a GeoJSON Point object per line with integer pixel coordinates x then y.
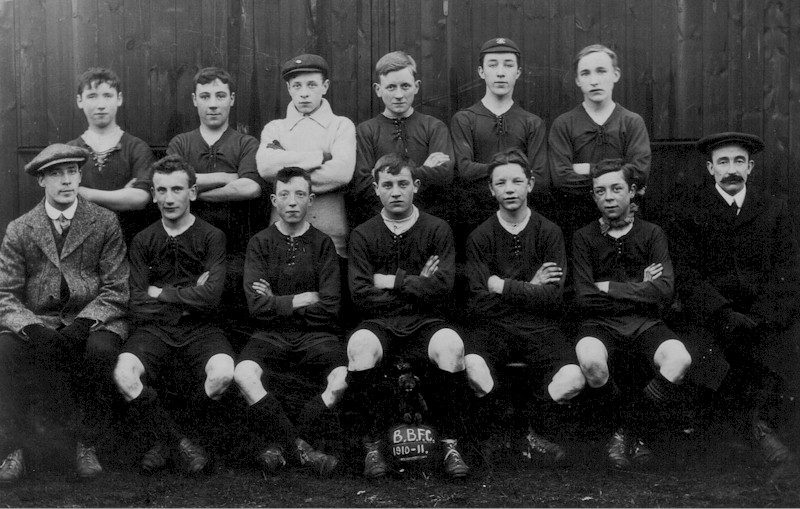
{"type": "Point", "coordinates": [732, 179]}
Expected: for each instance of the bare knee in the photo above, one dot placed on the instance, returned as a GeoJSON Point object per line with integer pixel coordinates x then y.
{"type": "Point", "coordinates": [364, 350]}
{"type": "Point", "coordinates": [593, 360]}
{"type": "Point", "coordinates": [672, 360]}
{"type": "Point", "coordinates": [567, 383]}
{"type": "Point", "coordinates": [446, 350]}
{"type": "Point", "coordinates": [479, 375]}
{"type": "Point", "coordinates": [128, 376]}
{"type": "Point", "coordinates": [219, 375]}
{"type": "Point", "coordinates": [337, 384]}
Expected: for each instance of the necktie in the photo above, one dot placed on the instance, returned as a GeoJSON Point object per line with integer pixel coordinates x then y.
{"type": "Point", "coordinates": [63, 224]}
{"type": "Point", "coordinates": [734, 208]}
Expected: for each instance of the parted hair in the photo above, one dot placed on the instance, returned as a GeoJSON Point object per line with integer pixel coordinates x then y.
{"type": "Point", "coordinates": [509, 156]}
{"type": "Point", "coordinates": [286, 174]}
{"type": "Point", "coordinates": [394, 61]}
{"type": "Point", "coordinates": [171, 164]}
{"type": "Point", "coordinates": [94, 76]}
{"type": "Point", "coordinates": [394, 164]}
{"type": "Point", "coordinates": [612, 165]}
{"type": "Point", "coordinates": [595, 48]}
{"type": "Point", "coordinates": [207, 75]}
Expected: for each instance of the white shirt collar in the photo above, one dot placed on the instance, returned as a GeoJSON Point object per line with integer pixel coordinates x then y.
{"type": "Point", "coordinates": [323, 116]}
{"type": "Point", "coordinates": [738, 197]}
{"type": "Point", "coordinates": [53, 213]}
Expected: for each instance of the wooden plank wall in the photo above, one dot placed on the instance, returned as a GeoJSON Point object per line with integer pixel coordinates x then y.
{"type": "Point", "coordinates": [688, 67]}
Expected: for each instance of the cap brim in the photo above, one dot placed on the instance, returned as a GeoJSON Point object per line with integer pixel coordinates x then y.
{"type": "Point", "coordinates": [61, 161]}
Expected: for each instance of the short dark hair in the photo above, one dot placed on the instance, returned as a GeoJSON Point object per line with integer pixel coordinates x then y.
{"type": "Point", "coordinates": [612, 165]}
{"type": "Point", "coordinates": [509, 156]}
{"type": "Point", "coordinates": [393, 163]}
{"type": "Point", "coordinates": [171, 164]}
{"type": "Point", "coordinates": [207, 75]}
{"type": "Point", "coordinates": [286, 174]}
{"type": "Point", "coordinates": [595, 48]}
{"type": "Point", "coordinates": [94, 76]}
{"type": "Point", "coordinates": [394, 61]}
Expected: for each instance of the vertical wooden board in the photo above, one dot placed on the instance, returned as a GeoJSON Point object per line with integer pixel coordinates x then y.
{"type": "Point", "coordinates": [434, 95]}
{"type": "Point", "coordinates": [10, 172]}
{"type": "Point", "coordinates": [58, 66]}
{"type": "Point", "coordinates": [637, 76]}
{"type": "Point", "coordinates": [664, 75]}
{"type": "Point", "coordinates": [776, 96]}
{"type": "Point", "coordinates": [716, 72]}
{"type": "Point", "coordinates": [735, 71]}
{"type": "Point", "coordinates": [463, 54]}
{"type": "Point", "coordinates": [587, 28]}
{"type": "Point", "coordinates": [512, 13]}
{"type": "Point", "coordinates": [794, 110]}
{"type": "Point", "coordinates": [111, 48]}
{"type": "Point", "coordinates": [539, 82]}
{"type": "Point", "coordinates": [344, 59]}
{"type": "Point", "coordinates": [29, 192]}
{"type": "Point", "coordinates": [562, 52]}
{"type": "Point", "coordinates": [364, 65]}
{"type": "Point", "coordinates": [406, 33]}
{"type": "Point", "coordinates": [247, 116]}
{"type": "Point", "coordinates": [85, 55]}
{"type": "Point", "coordinates": [270, 85]}
{"type": "Point", "coordinates": [689, 81]}
{"type": "Point", "coordinates": [188, 60]}
{"type": "Point", "coordinates": [135, 69]}
{"type": "Point", "coordinates": [164, 112]}
{"type": "Point", "coordinates": [382, 30]}
{"type": "Point", "coordinates": [753, 68]}
{"type": "Point", "coordinates": [214, 26]}
{"type": "Point", "coordinates": [32, 81]}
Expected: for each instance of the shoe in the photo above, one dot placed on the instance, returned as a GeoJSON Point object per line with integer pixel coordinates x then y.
{"type": "Point", "coordinates": [13, 468]}
{"type": "Point", "coordinates": [454, 464]}
{"type": "Point", "coordinates": [86, 463]}
{"type": "Point", "coordinates": [154, 459]}
{"type": "Point", "coordinates": [541, 449]}
{"type": "Point", "coordinates": [374, 464]}
{"type": "Point", "coordinates": [193, 455]}
{"type": "Point", "coordinates": [617, 450]}
{"type": "Point", "coordinates": [323, 464]}
{"type": "Point", "coordinates": [772, 449]}
{"type": "Point", "coordinates": [639, 453]}
{"type": "Point", "coordinates": [271, 460]}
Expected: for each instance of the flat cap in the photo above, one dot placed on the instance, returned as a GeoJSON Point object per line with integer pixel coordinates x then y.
{"type": "Point", "coordinates": [499, 45]}
{"type": "Point", "coordinates": [753, 144]}
{"type": "Point", "coordinates": [56, 153]}
{"type": "Point", "coordinates": [304, 63]}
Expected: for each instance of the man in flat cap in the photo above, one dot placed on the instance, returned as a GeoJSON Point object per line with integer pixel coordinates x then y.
{"type": "Point", "coordinates": [63, 299]}
{"type": "Point", "coordinates": [311, 137]}
{"type": "Point", "coordinates": [738, 272]}
{"type": "Point", "coordinates": [494, 124]}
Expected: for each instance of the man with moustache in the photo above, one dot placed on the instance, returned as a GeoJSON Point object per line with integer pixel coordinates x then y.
{"type": "Point", "coordinates": [738, 269]}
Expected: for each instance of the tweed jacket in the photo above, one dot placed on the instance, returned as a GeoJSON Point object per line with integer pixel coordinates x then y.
{"type": "Point", "coordinates": [749, 262]}
{"type": "Point", "coordinates": [92, 262]}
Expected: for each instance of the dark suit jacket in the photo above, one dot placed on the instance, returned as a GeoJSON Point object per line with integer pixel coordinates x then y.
{"type": "Point", "coordinates": [92, 262]}
{"type": "Point", "coordinates": [749, 262]}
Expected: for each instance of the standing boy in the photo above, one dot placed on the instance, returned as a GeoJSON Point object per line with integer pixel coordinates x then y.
{"type": "Point", "coordinates": [177, 278]}
{"type": "Point", "coordinates": [116, 175]}
{"type": "Point", "coordinates": [594, 130]}
{"type": "Point", "coordinates": [228, 185]}
{"type": "Point", "coordinates": [313, 138]}
{"type": "Point", "coordinates": [63, 298]}
{"type": "Point", "coordinates": [402, 130]}
{"type": "Point", "coordinates": [515, 266]}
{"type": "Point", "coordinates": [292, 283]}
{"type": "Point", "coordinates": [401, 272]}
{"type": "Point", "coordinates": [623, 278]}
{"type": "Point", "coordinates": [494, 124]}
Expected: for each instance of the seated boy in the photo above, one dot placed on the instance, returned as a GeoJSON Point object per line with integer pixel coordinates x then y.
{"type": "Point", "coordinates": [623, 278]}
